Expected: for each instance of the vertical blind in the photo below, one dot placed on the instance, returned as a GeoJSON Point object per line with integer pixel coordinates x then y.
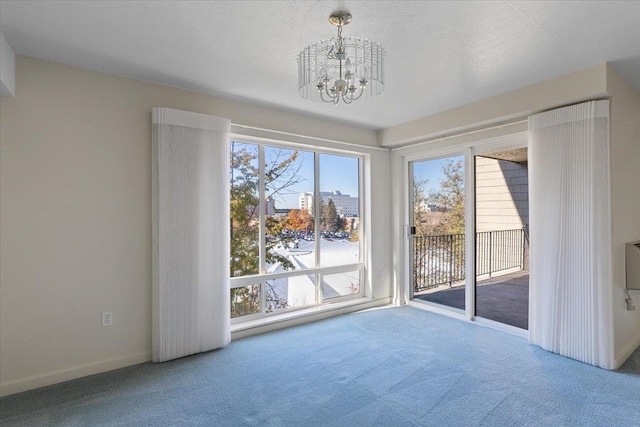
{"type": "Point", "coordinates": [190, 197]}
{"type": "Point", "coordinates": [570, 291]}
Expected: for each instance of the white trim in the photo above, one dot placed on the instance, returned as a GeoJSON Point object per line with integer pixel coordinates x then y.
{"type": "Point", "coordinates": [409, 182]}
{"type": "Point", "coordinates": [501, 143]}
{"type": "Point", "coordinates": [439, 309]}
{"type": "Point", "coordinates": [317, 213]}
{"type": "Point", "coordinates": [456, 314]}
{"type": "Point", "coordinates": [478, 147]}
{"type": "Point", "coordinates": [456, 135]}
{"type": "Point", "coordinates": [247, 139]}
{"type": "Point", "coordinates": [55, 377]}
{"type": "Point", "coordinates": [470, 234]}
{"type": "Point", "coordinates": [627, 351]}
{"type": "Point", "coordinates": [366, 286]}
{"type": "Point", "coordinates": [299, 317]}
{"type": "Point", "coordinates": [502, 327]}
{"type": "Point", "coordinates": [437, 154]}
{"type": "Point", "coordinates": [241, 281]}
{"type": "Point", "coordinates": [262, 226]}
{"type": "Point", "coordinates": [309, 141]}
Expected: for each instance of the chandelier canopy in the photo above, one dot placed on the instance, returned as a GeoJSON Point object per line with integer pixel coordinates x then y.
{"type": "Point", "coordinates": [341, 68]}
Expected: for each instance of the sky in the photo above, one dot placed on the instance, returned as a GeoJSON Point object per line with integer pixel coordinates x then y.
{"type": "Point", "coordinates": [432, 171]}
{"type": "Point", "coordinates": [336, 173]}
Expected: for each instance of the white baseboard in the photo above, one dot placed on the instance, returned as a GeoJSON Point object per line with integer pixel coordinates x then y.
{"type": "Point", "coordinates": [44, 380]}
{"type": "Point", "coordinates": [73, 373]}
{"type": "Point", "coordinates": [626, 352]}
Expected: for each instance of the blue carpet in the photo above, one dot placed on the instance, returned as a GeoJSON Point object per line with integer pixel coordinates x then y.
{"type": "Point", "coordinates": [387, 367]}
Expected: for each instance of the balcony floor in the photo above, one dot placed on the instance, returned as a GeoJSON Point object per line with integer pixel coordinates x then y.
{"type": "Point", "coordinates": [504, 299]}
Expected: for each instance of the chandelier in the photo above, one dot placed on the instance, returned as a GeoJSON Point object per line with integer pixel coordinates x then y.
{"type": "Point", "coordinates": [342, 68]}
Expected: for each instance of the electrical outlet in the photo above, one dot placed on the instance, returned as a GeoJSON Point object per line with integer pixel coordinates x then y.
{"type": "Point", "coordinates": [380, 274]}
{"type": "Point", "coordinates": [107, 318]}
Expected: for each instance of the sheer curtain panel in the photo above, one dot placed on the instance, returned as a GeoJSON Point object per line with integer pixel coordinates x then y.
{"type": "Point", "coordinates": [570, 282]}
{"type": "Point", "coordinates": [190, 197]}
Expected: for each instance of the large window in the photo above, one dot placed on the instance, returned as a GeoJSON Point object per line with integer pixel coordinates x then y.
{"type": "Point", "coordinates": [289, 248]}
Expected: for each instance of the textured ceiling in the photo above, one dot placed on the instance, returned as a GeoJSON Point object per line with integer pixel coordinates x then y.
{"type": "Point", "coordinates": [440, 55]}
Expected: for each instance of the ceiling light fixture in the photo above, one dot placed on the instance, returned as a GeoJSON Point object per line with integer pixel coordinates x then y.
{"type": "Point", "coordinates": [341, 68]}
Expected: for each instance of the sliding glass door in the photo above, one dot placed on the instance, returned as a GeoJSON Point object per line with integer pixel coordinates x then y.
{"type": "Point", "coordinates": [437, 233]}
{"type": "Point", "coordinates": [468, 231]}
{"type": "Point", "coordinates": [502, 237]}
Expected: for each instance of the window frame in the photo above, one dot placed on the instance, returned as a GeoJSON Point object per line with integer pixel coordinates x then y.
{"type": "Point", "coordinates": [318, 271]}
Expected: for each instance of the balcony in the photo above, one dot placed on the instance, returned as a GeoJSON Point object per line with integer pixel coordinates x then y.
{"type": "Point", "coordinates": [502, 273]}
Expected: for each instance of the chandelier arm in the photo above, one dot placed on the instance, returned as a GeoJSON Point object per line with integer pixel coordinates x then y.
{"type": "Point", "coordinates": [326, 100]}
{"type": "Point", "coordinates": [326, 89]}
{"type": "Point", "coordinates": [322, 96]}
{"type": "Point", "coordinates": [362, 88]}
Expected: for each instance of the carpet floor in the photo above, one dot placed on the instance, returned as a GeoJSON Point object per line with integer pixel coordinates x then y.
{"type": "Point", "coordinates": [398, 366]}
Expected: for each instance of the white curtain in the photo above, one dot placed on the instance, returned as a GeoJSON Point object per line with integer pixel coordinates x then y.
{"type": "Point", "coordinates": [190, 197]}
{"type": "Point", "coordinates": [570, 282]}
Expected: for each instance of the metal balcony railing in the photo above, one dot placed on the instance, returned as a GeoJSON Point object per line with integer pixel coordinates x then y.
{"type": "Point", "coordinates": [440, 259]}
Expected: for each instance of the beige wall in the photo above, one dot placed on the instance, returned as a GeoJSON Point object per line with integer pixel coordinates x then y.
{"type": "Point", "coordinates": [75, 215]}
{"type": "Point", "coordinates": [502, 195]}
{"type": "Point", "coordinates": [625, 205]}
{"type": "Point", "coordinates": [567, 89]}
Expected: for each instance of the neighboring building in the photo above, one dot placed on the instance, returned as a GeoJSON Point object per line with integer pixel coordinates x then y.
{"type": "Point", "coordinates": [269, 206]}
{"type": "Point", "coordinates": [306, 202]}
{"type": "Point", "coordinates": [282, 212]}
{"type": "Point", "coordinates": [346, 205]}
{"type": "Point", "coordinates": [502, 194]}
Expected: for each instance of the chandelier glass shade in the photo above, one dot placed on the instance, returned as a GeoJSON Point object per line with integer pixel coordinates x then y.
{"type": "Point", "coordinates": [341, 68]}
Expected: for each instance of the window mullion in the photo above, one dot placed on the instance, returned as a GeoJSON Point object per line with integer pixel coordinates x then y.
{"type": "Point", "coordinates": [262, 227]}
{"type": "Point", "coordinates": [319, 296]}
{"type": "Point", "coordinates": [261, 209]}
{"type": "Point", "coordinates": [316, 216]}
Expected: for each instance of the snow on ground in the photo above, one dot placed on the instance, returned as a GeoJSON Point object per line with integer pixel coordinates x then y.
{"type": "Point", "coordinates": [300, 290]}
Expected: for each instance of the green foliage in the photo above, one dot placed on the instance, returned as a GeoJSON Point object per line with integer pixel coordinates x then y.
{"type": "Point", "coordinates": [244, 213]}
{"type": "Point", "coordinates": [280, 175]}
{"type": "Point", "coordinates": [450, 199]}
{"type": "Point", "coordinates": [422, 219]}
{"type": "Point", "coordinates": [245, 301]}
{"type": "Point", "coordinates": [330, 220]}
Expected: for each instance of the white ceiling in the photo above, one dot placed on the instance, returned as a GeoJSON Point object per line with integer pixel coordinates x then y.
{"type": "Point", "coordinates": [440, 55]}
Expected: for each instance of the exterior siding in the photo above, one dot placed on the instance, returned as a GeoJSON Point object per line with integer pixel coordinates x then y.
{"type": "Point", "coordinates": [502, 195]}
